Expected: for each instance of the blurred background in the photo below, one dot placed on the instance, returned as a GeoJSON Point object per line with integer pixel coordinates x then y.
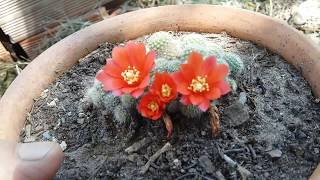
{"type": "Point", "coordinates": [28, 27]}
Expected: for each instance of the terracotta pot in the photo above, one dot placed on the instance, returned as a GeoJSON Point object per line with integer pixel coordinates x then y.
{"type": "Point", "coordinates": [271, 33]}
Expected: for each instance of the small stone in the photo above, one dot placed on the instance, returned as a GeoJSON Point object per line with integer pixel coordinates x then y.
{"type": "Point", "coordinates": [298, 19]}
{"type": "Point", "coordinates": [46, 135]}
{"type": "Point", "coordinates": [29, 139]}
{"type": "Point", "coordinates": [81, 115]}
{"type": "Point", "coordinates": [192, 170]}
{"type": "Point", "coordinates": [63, 145]}
{"type": "Point", "coordinates": [275, 153]}
{"type": "Point", "coordinates": [316, 150]}
{"type": "Point", "coordinates": [177, 162]}
{"type": "Point", "coordinates": [236, 114]}
{"type": "Point", "coordinates": [52, 104]}
{"type": "Point", "coordinates": [133, 157]}
{"type": "Point", "coordinates": [44, 94]}
{"type": "Point", "coordinates": [28, 130]}
{"type": "Point", "coordinates": [38, 128]}
{"type": "Point", "coordinates": [206, 164]}
{"type": "Point", "coordinates": [243, 98]}
{"type": "Point", "coordinates": [182, 170]}
{"type": "Point", "coordinates": [69, 113]}
{"type": "Point", "coordinates": [203, 133]}
{"type": "Point", "coordinates": [80, 120]}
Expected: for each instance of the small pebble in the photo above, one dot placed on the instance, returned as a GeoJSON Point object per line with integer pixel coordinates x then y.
{"type": "Point", "coordinates": [203, 133]}
{"type": "Point", "coordinates": [80, 120]}
{"type": "Point", "coordinates": [69, 113]}
{"type": "Point", "coordinates": [52, 104]}
{"type": "Point", "coordinates": [275, 153]}
{"type": "Point", "coordinates": [206, 164]}
{"type": "Point", "coordinates": [46, 135]}
{"type": "Point", "coordinates": [63, 145]}
{"type": "Point", "coordinates": [316, 150]}
{"type": "Point", "coordinates": [177, 162]}
{"type": "Point", "coordinates": [81, 115]}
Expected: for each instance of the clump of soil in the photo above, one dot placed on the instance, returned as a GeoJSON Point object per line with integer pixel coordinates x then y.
{"type": "Point", "coordinates": [273, 132]}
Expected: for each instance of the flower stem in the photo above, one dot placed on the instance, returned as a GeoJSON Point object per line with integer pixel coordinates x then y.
{"type": "Point", "coordinates": [214, 120]}
{"type": "Point", "coordinates": [168, 122]}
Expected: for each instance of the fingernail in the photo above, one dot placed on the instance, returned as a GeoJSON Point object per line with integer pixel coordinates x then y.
{"type": "Point", "coordinates": [33, 151]}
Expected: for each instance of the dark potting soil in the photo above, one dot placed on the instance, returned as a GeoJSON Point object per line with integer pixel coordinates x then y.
{"type": "Point", "coordinates": [274, 135]}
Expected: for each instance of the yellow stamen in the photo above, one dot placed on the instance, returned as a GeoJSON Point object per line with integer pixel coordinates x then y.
{"type": "Point", "coordinates": [199, 84]}
{"type": "Point", "coordinates": [165, 90]}
{"type": "Point", "coordinates": [153, 106]}
{"type": "Point", "coordinates": [130, 75]}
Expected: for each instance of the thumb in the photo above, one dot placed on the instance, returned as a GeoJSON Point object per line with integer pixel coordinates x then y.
{"type": "Point", "coordinates": [39, 160]}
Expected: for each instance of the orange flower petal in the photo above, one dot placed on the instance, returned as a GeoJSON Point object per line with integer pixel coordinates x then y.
{"type": "Point", "coordinates": [223, 86]}
{"type": "Point", "coordinates": [112, 69]}
{"type": "Point", "coordinates": [208, 65]}
{"type": "Point", "coordinates": [120, 57]}
{"type": "Point", "coordinates": [218, 73]}
{"type": "Point", "coordinates": [214, 93]}
{"type": "Point", "coordinates": [195, 61]}
{"type": "Point", "coordinates": [144, 83]}
{"type": "Point", "coordinates": [137, 93]}
{"type": "Point", "coordinates": [182, 86]}
{"type": "Point", "coordinates": [196, 99]}
{"type": "Point", "coordinates": [149, 63]}
{"type": "Point", "coordinates": [185, 100]}
{"type": "Point", "coordinates": [204, 105]}
{"type": "Point", "coordinates": [117, 93]}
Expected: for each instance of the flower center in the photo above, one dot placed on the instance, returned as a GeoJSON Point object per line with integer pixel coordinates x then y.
{"type": "Point", "coordinates": [199, 84]}
{"type": "Point", "coordinates": [165, 90]}
{"type": "Point", "coordinates": [130, 75]}
{"type": "Point", "coordinates": [152, 106]}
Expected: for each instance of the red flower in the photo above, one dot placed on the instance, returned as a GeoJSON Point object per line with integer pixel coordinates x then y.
{"type": "Point", "coordinates": [151, 107]}
{"type": "Point", "coordinates": [200, 81]}
{"type": "Point", "coordinates": [128, 70]}
{"type": "Point", "coordinates": [164, 86]}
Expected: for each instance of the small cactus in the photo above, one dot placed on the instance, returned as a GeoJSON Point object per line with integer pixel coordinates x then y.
{"type": "Point", "coordinates": [128, 102]}
{"type": "Point", "coordinates": [164, 44]}
{"type": "Point", "coordinates": [191, 111]}
{"type": "Point", "coordinates": [232, 83]}
{"type": "Point", "coordinates": [96, 93]}
{"type": "Point", "coordinates": [214, 50]}
{"type": "Point", "coordinates": [190, 48]}
{"type": "Point", "coordinates": [163, 65]}
{"type": "Point", "coordinates": [110, 102]}
{"type": "Point", "coordinates": [193, 39]}
{"type": "Point", "coordinates": [235, 63]}
{"type": "Point", "coordinates": [121, 115]}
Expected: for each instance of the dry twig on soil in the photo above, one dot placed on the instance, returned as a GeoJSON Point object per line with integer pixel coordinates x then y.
{"type": "Point", "coordinates": [154, 157]}
{"type": "Point", "coordinates": [214, 120]}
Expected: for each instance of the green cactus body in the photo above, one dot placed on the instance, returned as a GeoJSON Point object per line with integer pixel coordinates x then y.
{"type": "Point", "coordinates": [190, 48]}
{"type": "Point", "coordinates": [163, 65]}
{"type": "Point", "coordinates": [128, 102]}
{"type": "Point", "coordinates": [164, 44]}
{"type": "Point", "coordinates": [214, 50]}
{"type": "Point", "coordinates": [191, 111]}
{"type": "Point", "coordinates": [96, 93]}
{"type": "Point", "coordinates": [121, 115]}
{"type": "Point", "coordinates": [232, 83]}
{"type": "Point", "coordinates": [235, 63]}
{"type": "Point", "coordinates": [193, 39]}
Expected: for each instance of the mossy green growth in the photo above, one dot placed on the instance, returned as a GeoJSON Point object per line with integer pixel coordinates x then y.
{"type": "Point", "coordinates": [121, 115]}
{"type": "Point", "coordinates": [164, 44]}
{"type": "Point", "coordinates": [191, 111]}
{"type": "Point", "coordinates": [128, 102]}
{"type": "Point", "coordinates": [235, 63]}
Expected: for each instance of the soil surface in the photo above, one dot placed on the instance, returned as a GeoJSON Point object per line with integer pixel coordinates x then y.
{"type": "Point", "coordinates": [273, 135]}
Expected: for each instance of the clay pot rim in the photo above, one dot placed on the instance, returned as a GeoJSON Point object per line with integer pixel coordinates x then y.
{"type": "Point", "coordinates": [247, 25]}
